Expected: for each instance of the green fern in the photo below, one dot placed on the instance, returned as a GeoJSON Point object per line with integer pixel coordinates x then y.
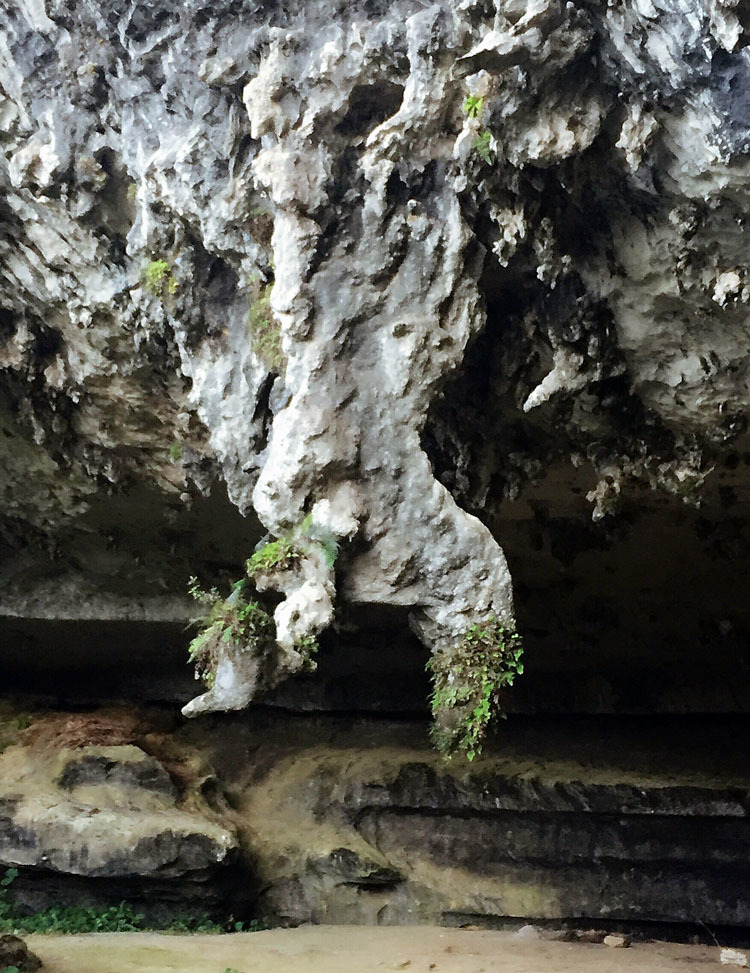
{"type": "Point", "coordinates": [468, 680]}
{"type": "Point", "coordinates": [482, 146]}
{"type": "Point", "coordinates": [233, 621]}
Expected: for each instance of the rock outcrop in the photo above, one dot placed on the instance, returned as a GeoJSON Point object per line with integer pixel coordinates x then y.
{"type": "Point", "coordinates": [340, 820]}
{"type": "Point", "coordinates": [15, 954]}
{"type": "Point", "coordinates": [112, 815]}
{"type": "Point", "coordinates": [383, 267]}
{"type": "Point", "coordinates": [364, 824]}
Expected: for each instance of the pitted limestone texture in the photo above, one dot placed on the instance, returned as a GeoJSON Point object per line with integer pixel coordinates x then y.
{"type": "Point", "coordinates": [318, 158]}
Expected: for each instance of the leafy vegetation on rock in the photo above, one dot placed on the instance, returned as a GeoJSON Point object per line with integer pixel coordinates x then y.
{"type": "Point", "coordinates": [235, 619]}
{"type": "Point", "coordinates": [64, 919]}
{"type": "Point", "coordinates": [468, 680]}
{"type": "Point", "coordinates": [482, 145]}
{"type": "Point", "coordinates": [278, 555]}
{"type": "Point", "coordinates": [329, 546]}
{"type": "Point", "coordinates": [308, 647]}
{"type": "Point", "coordinates": [473, 106]}
{"type": "Point", "coordinates": [123, 917]}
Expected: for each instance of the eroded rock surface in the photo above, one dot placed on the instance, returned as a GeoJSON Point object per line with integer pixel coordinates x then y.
{"type": "Point", "coordinates": [341, 820]}
{"type": "Point", "coordinates": [111, 814]}
{"type": "Point", "coordinates": [363, 823]}
{"type": "Point", "coordinates": [560, 185]}
{"type": "Point", "coordinates": [15, 954]}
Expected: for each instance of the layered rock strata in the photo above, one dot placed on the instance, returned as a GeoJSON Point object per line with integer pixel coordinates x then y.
{"type": "Point", "coordinates": [329, 820]}
{"type": "Point", "coordinates": [97, 823]}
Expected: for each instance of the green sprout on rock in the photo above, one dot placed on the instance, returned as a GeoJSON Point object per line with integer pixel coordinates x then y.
{"type": "Point", "coordinates": [329, 546]}
{"type": "Point", "coordinates": [482, 146]}
{"type": "Point", "coordinates": [473, 106]}
{"type": "Point", "coordinates": [468, 680]}
{"type": "Point", "coordinates": [308, 647]}
{"type": "Point", "coordinates": [244, 623]}
{"type": "Point", "coordinates": [234, 620]}
{"type": "Point", "coordinates": [278, 555]}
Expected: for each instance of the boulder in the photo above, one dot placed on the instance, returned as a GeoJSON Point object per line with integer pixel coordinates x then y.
{"type": "Point", "coordinates": [15, 953]}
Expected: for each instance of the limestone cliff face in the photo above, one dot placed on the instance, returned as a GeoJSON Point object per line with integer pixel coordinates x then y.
{"type": "Point", "coordinates": [380, 265]}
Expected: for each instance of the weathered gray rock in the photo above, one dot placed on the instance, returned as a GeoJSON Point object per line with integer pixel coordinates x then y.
{"type": "Point", "coordinates": [595, 241]}
{"type": "Point", "coordinates": [15, 954]}
{"type": "Point", "coordinates": [591, 824]}
{"type": "Point", "coordinates": [104, 812]}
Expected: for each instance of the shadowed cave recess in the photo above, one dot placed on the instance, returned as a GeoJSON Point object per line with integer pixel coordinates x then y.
{"type": "Point", "coordinates": [454, 298]}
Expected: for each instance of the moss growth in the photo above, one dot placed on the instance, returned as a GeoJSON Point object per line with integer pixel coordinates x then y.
{"type": "Point", "coordinates": [175, 452]}
{"type": "Point", "coordinates": [263, 328]}
{"type": "Point", "coordinates": [158, 279]}
{"type": "Point", "coordinates": [278, 555]}
{"type": "Point", "coordinates": [468, 682]}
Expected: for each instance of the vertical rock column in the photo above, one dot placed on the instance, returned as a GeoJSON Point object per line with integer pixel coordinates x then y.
{"type": "Point", "coordinates": [376, 295]}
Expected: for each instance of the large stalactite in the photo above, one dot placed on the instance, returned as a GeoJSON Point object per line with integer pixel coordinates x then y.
{"type": "Point", "coordinates": [387, 190]}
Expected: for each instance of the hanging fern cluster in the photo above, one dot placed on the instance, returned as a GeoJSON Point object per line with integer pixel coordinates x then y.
{"type": "Point", "coordinates": [468, 680]}
{"type": "Point", "coordinates": [236, 620]}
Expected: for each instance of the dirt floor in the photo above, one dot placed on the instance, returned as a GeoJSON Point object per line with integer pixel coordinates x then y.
{"type": "Point", "coordinates": [350, 949]}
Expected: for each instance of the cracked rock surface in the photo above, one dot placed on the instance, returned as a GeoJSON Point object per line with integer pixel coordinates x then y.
{"type": "Point", "coordinates": [380, 305]}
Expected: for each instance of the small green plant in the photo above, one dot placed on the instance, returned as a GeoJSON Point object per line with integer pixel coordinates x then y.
{"type": "Point", "coordinates": [234, 620]}
{"type": "Point", "coordinates": [328, 544]}
{"type": "Point", "coordinates": [10, 969]}
{"type": "Point", "coordinates": [330, 549]}
{"type": "Point", "coordinates": [263, 328]}
{"type": "Point", "coordinates": [72, 920]}
{"type": "Point", "coordinates": [278, 555]}
{"type": "Point", "coordinates": [281, 554]}
{"type": "Point", "coordinates": [200, 924]}
{"type": "Point", "coordinates": [64, 919]}
{"type": "Point", "coordinates": [175, 452]}
{"type": "Point", "coordinates": [473, 106]}
{"type": "Point", "coordinates": [11, 874]}
{"type": "Point", "coordinates": [482, 146]}
{"type": "Point", "coordinates": [468, 680]}
{"type": "Point", "coordinates": [158, 279]}
{"type": "Point", "coordinates": [308, 647]}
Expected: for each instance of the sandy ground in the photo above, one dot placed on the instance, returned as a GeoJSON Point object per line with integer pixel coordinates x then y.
{"type": "Point", "coordinates": [350, 949]}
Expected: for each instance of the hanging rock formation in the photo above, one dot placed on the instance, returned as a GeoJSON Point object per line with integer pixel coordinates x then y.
{"type": "Point", "coordinates": [282, 247]}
